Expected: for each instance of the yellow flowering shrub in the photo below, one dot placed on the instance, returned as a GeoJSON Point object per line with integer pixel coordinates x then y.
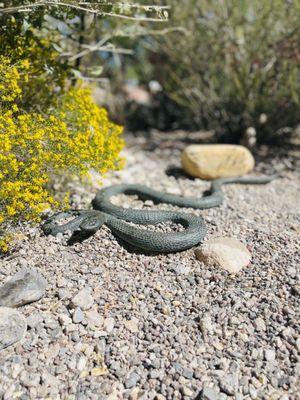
{"type": "Point", "coordinates": [46, 77]}
{"type": "Point", "coordinates": [70, 137]}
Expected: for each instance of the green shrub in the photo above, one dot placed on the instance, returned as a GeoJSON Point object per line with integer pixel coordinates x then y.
{"type": "Point", "coordinates": [238, 60]}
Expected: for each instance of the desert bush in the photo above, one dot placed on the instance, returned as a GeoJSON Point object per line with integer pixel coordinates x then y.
{"type": "Point", "coordinates": [239, 60]}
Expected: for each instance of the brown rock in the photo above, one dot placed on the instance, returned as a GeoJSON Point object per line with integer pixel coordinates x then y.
{"type": "Point", "coordinates": [227, 253]}
{"type": "Point", "coordinates": [212, 161]}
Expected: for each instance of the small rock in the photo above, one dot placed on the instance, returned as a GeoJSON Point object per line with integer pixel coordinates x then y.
{"type": "Point", "coordinates": [78, 315]}
{"type": "Point", "coordinates": [132, 380]}
{"type": "Point", "coordinates": [30, 379]}
{"type": "Point", "coordinates": [97, 271]}
{"type": "Point", "coordinates": [132, 325]}
{"type": "Point", "coordinates": [12, 327]}
{"type": "Point", "coordinates": [206, 325]}
{"type": "Point", "coordinates": [227, 253]}
{"type": "Point", "coordinates": [99, 371]}
{"type": "Point", "coordinates": [187, 373]}
{"type": "Point", "coordinates": [24, 287]}
{"type": "Point", "coordinates": [270, 355]}
{"type": "Point", "coordinates": [109, 324]}
{"type": "Point", "coordinates": [228, 384]}
{"type": "Point", "coordinates": [81, 363]}
{"type": "Point", "coordinates": [187, 391]}
{"type": "Point", "coordinates": [63, 294]}
{"type": "Point", "coordinates": [33, 320]}
{"type": "Point", "coordinates": [134, 394]}
{"type": "Point", "coordinates": [64, 319]}
{"type": "Point", "coordinates": [61, 282]}
{"type": "Point", "coordinates": [94, 318]}
{"type": "Point", "coordinates": [209, 394]}
{"type": "Point", "coordinates": [83, 299]}
{"type": "Point", "coordinates": [259, 324]}
{"type": "Point", "coordinates": [216, 160]}
{"type": "Point", "coordinates": [179, 269]}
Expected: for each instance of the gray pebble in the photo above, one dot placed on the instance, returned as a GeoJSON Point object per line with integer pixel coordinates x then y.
{"type": "Point", "coordinates": [83, 299]}
{"type": "Point", "coordinates": [78, 315]}
{"type": "Point", "coordinates": [26, 286]}
{"type": "Point", "coordinates": [209, 394]}
{"type": "Point", "coordinates": [12, 327]}
{"type": "Point", "coordinates": [179, 269]}
{"type": "Point", "coordinates": [132, 380]}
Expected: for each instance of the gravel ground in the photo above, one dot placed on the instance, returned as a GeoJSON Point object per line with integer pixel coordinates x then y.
{"type": "Point", "coordinates": [165, 326]}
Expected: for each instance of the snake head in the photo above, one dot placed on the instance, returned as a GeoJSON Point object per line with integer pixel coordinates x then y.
{"type": "Point", "coordinates": [93, 222]}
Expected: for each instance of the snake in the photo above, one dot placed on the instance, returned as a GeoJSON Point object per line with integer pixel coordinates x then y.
{"type": "Point", "coordinates": [118, 219]}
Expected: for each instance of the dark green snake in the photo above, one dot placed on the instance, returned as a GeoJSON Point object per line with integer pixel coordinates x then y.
{"type": "Point", "coordinates": [114, 217]}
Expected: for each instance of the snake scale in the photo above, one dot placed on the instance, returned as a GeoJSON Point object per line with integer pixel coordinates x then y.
{"type": "Point", "coordinates": [115, 217]}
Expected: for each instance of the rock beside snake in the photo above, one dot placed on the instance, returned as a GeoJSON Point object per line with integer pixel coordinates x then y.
{"type": "Point", "coordinates": [114, 217]}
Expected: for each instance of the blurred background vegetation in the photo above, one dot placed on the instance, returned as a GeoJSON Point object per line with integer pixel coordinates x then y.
{"type": "Point", "coordinates": [230, 65]}
{"type": "Point", "coordinates": [182, 64]}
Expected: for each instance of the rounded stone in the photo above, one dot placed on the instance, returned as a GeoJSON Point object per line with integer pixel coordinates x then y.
{"type": "Point", "coordinates": [227, 253]}
{"type": "Point", "coordinates": [26, 286]}
{"type": "Point", "coordinates": [212, 161]}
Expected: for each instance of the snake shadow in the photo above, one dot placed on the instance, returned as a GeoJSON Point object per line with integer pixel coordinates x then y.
{"type": "Point", "coordinates": [177, 173]}
{"type": "Point", "coordinates": [81, 236]}
{"type": "Point", "coordinates": [134, 250]}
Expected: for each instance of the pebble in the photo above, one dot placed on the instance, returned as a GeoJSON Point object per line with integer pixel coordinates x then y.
{"type": "Point", "coordinates": [209, 394]}
{"type": "Point", "coordinates": [179, 269]}
{"type": "Point", "coordinates": [270, 355]}
{"type": "Point", "coordinates": [24, 287]}
{"type": "Point", "coordinates": [83, 299]}
{"type": "Point", "coordinates": [132, 325]}
{"type": "Point", "coordinates": [260, 324]}
{"type": "Point", "coordinates": [206, 325]}
{"type": "Point", "coordinates": [187, 373]}
{"type": "Point", "coordinates": [97, 271]}
{"type": "Point", "coordinates": [187, 391]}
{"type": "Point", "coordinates": [63, 294]}
{"type": "Point", "coordinates": [33, 320]}
{"type": "Point", "coordinates": [12, 327]}
{"type": "Point", "coordinates": [109, 324]}
{"type": "Point", "coordinates": [94, 318]}
{"type": "Point", "coordinates": [81, 363]}
{"type": "Point", "coordinates": [132, 380]}
{"type": "Point", "coordinates": [78, 315]}
{"type": "Point", "coordinates": [228, 384]}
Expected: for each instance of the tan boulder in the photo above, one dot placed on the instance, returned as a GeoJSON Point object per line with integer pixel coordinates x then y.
{"type": "Point", "coordinates": [227, 253]}
{"type": "Point", "coordinates": [212, 161]}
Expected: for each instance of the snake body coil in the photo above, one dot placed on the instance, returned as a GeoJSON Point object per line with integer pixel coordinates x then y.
{"type": "Point", "coordinates": [114, 217]}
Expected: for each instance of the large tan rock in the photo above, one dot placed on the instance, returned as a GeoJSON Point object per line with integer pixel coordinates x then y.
{"type": "Point", "coordinates": [211, 161]}
{"type": "Point", "coordinates": [227, 253]}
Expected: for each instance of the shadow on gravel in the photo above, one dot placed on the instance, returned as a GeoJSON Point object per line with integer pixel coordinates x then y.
{"type": "Point", "coordinates": [199, 396]}
{"type": "Point", "coordinates": [133, 250]}
{"type": "Point", "coordinates": [80, 236]}
{"type": "Point", "coordinates": [177, 173]}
